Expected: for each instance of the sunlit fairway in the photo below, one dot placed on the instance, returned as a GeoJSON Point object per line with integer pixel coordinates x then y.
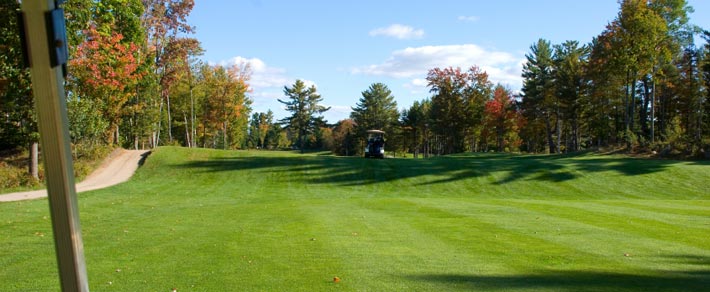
{"type": "Point", "coordinates": [207, 220]}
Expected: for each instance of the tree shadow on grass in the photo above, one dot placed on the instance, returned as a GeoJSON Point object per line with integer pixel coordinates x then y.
{"type": "Point", "coordinates": [503, 168]}
{"type": "Point", "coordinates": [574, 281]}
{"type": "Point", "coordinates": [689, 259]}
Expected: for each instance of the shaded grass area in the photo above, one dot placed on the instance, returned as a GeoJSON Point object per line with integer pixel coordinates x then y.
{"type": "Point", "coordinates": [479, 175]}
{"type": "Point", "coordinates": [200, 220]}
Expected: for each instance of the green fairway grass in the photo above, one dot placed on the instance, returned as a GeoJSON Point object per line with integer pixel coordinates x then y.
{"type": "Point", "coordinates": [209, 220]}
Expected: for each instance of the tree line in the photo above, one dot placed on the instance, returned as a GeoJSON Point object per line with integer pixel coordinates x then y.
{"type": "Point", "coordinates": [136, 80]}
{"type": "Point", "coordinates": [642, 84]}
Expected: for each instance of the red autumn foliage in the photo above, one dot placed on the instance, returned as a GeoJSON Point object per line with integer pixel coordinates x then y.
{"type": "Point", "coordinates": [106, 70]}
{"type": "Point", "coordinates": [502, 120]}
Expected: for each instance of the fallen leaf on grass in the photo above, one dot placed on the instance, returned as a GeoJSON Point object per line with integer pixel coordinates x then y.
{"type": "Point", "coordinates": [336, 279]}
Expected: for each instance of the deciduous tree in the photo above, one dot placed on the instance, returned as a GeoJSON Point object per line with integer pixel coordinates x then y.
{"type": "Point", "coordinates": [226, 107]}
{"type": "Point", "coordinates": [18, 126]}
{"type": "Point", "coordinates": [105, 70]}
{"type": "Point", "coordinates": [457, 106]}
{"type": "Point", "coordinates": [344, 137]}
{"type": "Point", "coordinates": [503, 120]}
{"type": "Point", "coordinates": [165, 22]}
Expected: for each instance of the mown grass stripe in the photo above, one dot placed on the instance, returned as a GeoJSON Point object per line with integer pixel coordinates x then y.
{"type": "Point", "coordinates": [649, 254]}
{"type": "Point", "coordinates": [675, 207]}
{"type": "Point", "coordinates": [626, 220]}
{"type": "Point", "coordinates": [682, 219]}
{"type": "Point", "coordinates": [493, 238]}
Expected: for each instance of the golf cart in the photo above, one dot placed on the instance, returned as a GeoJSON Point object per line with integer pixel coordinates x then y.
{"type": "Point", "coordinates": [375, 144]}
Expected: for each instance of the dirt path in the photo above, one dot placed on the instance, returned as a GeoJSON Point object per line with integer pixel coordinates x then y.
{"type": "Point", "coordinates": [118, 168]}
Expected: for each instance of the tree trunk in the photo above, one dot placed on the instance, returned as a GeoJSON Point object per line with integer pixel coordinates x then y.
{"type": "Point", "coordinates": [224, 135]}
{"type": "Point", "coordinates": [653, 111]}
{"type": "Point", "coordinates": [630, 109]}
{"type": "Point", "coordinates": [575, 134]}
{"type": "Point", "coordinates": [499, 137]}
{"type": "Point", "coordinates": [160, 122]}
{"type": "Point", "coordinates": [301, 143]}
{"type": "Point", "coordinates": [170, 121]}
{"type": "Point", "coordinates": [548, 129]}
{"type": "Point", "coordinates": [643, 115]}
{"type": "Point", "coordinates": [632, 105]}
{"type": "Point", "coordinates": [416, 144]}
{"type": "Point", "coordinates": [627, 124]}
{"type": "Point", "coordinates": [34, 160]}
{"type": "Point", "coordinates": [559, 129]}
{"type": "Point", "coordinates": [193, 131]}
{"type": "Point", "coordinates": [188, 139]}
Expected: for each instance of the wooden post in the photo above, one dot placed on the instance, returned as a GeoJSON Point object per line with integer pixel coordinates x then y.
{"type": "Point", "coordinates": [51, 107]}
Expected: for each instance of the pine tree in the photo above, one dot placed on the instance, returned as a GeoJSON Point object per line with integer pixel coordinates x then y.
{"type": "Point", "coordinates": [570, 61]}
{"type": "Point", "coordinates": [304, 104]}
{"type": "Point", "coordinates": [415, 123]}
{"type": "Point", "coordinates": [539, 100]}
{"type": "Point", "coordinates": [376, 110]}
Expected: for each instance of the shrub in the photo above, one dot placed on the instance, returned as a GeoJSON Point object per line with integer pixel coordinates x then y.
{"type": "Point", "coordinates": [14, 174]}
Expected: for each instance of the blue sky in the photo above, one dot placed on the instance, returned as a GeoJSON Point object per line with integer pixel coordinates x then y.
{"type": "Point", "coordinates": [344, 46]}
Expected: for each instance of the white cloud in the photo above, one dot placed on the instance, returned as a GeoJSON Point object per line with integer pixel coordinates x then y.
{"type": "Point", "coordinates": [468, 18]}
{"type": "Point", "coordinates": [341, 109]}
{"type": "Point", "coordinates": [416, 62]}
{"type": "Point", "coordinates": [267, 94]}
{"type": "Point", "coordinates": [337, 113]}
{"type": "Point", "coordinates": [416, 86]}
{"type": "Point", "coordinates": [267, 84]}
{"type": "Point", "coordinates": [417, 82]}
{"type": "Point", "coordinates": [399, 31]}
{"type": "Point", "coordinates": [263, 76]}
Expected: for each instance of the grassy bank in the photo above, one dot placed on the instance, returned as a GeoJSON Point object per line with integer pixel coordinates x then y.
{"type": "Point", "coordinates": [202, 220]}
{"type": "Point", "coordinates": [14, 164]}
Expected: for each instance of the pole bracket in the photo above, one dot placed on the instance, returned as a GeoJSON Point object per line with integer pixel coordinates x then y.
{"type": "Point", "coordinates": [56, 37]}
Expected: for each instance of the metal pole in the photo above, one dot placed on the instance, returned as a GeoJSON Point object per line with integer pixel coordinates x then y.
{"type": "Point", "coordinates": [50, 104]}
